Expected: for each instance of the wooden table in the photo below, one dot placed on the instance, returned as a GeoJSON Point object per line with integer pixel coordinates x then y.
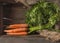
{"type": "Point", "coordinates": [23, 39]}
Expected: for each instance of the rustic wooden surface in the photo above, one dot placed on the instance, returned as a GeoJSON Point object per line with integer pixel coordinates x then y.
{"type": "Point", "coordinates": [25, 39]}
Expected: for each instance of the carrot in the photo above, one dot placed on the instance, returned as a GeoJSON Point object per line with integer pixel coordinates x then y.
{"type": "Point", "coordinates": [16, 30]}
{"type": "Point", "coordinates": [18, 26]}
{"type": "Point", "coordinates": [20, 33]}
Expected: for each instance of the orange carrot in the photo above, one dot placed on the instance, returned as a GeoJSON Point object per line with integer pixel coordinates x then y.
{"type": "Point", "coordinates": [20, 33]}
{"type": "Point", "coordinates": [16, 30]}
{"type": "Point", "coordinates": [18, 26]}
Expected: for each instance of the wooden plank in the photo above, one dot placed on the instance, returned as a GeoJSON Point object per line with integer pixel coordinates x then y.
{"type": "Point", "coordinates": [1, 20]}
{"type": "Point", "coordinates": [27, 39]}
{"type": "Point", "coordinates": [8, 1]}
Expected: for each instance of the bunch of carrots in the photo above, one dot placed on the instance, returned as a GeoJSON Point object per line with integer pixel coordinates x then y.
{"type": "Point", "coordinates": [17, 29]}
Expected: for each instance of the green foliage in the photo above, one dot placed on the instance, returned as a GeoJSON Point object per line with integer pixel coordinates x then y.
{"type": "Point", "coordinates": [42, 15]}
